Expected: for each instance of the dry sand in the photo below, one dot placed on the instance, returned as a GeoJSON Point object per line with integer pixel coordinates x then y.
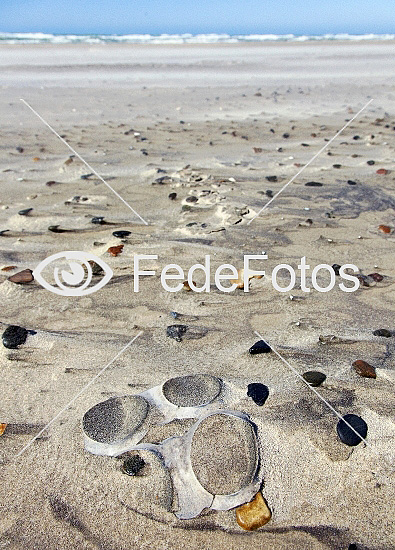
{"type": "Point", "coordinates": [199, 112]}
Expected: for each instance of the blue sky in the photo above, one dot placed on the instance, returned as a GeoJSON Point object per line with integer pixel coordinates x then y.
{"type": "Point", "coordinates": [198, 16]}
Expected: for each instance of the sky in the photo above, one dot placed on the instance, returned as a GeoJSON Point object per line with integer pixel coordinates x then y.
{"type": "Point", "coordinates": [198, 16]}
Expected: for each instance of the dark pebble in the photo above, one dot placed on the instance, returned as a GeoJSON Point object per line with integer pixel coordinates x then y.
{"type": "Point", "coordinates": [191, 199]}
{"type": "Point", "coordinates": [22, 277]}
{"type": "Point", "coordinates": [352, 547]}
{"type": "Point", "coordinates": [86, 176]}
{"type": "Point", "coordinates": [364, 369]}
{"type": "Point", "coordinates": [336, 268]}
{"type": "Point", "coordinates": [286, 135]}
{"type": "Point", "coordinates": [269, 193]}
{"type": "Point", "coordinates": [172, 196]}
{"type": "Point", "coordinates": [176, 331]}
{"type": "Point", "coordinates": [272, 179]}
{"type": "Point", "coordinates": [19, 149]}
{"type": "Point", "coordinates": [345, 433]}
{"type": "Point", "coordinates": [382, 332]}
{"type": "Point", "coordinates": [260, 347]}
{"type": "Point", "coordinates": [351, 182]}
{"type": "Point", "coordinates": [363, 280]}
{"type": "Point", "coordinates": [376, 277]}
{"type": "Point", "coordinates": [337, 166]}
{"type": "Point", "coordinates": [14, 336]}
{"type": "Point", "coordinates": [55, 229]}
{"type": "Point", "coordinates": [133, 465]}
{"type": "Point", "coordinates": [370, 162]}
{"type": "Point", "coordinates": [122, 234]}
{"type": "Point", "coordinates": [314, 378]}
{"type": "Point", "coordinates": [25, 211]}
{"type": "Point", "coordinates": [99, 220]}
{"type": "Point", "coordinates": [313, 184]}
{"type": "Point", "coordinates": [258, 393]}
{"type": "Point", "coordinates": [356, 138]}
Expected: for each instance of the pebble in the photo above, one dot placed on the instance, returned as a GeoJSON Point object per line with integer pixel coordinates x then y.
{"type": "Point", "coordinates": [115, 250]}
{"type": "Point", "coordinates": [269, 193]}
{"type": "Point", "coordinates": [191, 199]}
{"type": "Point", "coordinates": [364, 369]}
{"type": "Point", "coordinates": [227, 467]}
{"type": "Point", "coordinates": [25, 211]}
{"type": "Point", "coordinates": [133, 465]}
{"type": "Point", "coordinates": [55, 229]}
{"type": "Point", "coordinates": [352, 546]}
{"type": "Point", "coordinates": [385, 228]}
{"type": "Point", "coordinates": [345, 433]}
{"type": "Point", "coordinates": [258, 393]}
{"type": "Point", "coordinates": [25, 276]}
{"type": "Point", "coordinates": [115, 419]}
{"type": "Point", "coordinates": [336, 268]}
{"type": "Point", "coordinates": [370, 162]}
{"type": "Point", "coordinates": [337, 166]}
{"type": "Point", "coordinates": [351, 182]}
{"type": "Point", "coordinates": [14, 336]}
{"type": "Point", "coordinates": [172, 196]}
{"type": "Point", "coordinates": [382, 332]}
{"type": "Point", "coordinates": [314, 377]}
{"type": "Point", "coordinates": [260, 347]}
{"type": "Point", "coordinates": [254, 514]}
{"type": "Point", "coordinates": [382, 171]}
{"type": "Point", "coordinates": [313, 184]}
{"type": "Point", "coordinates": [19, 149]}
{"type": "Point", "coordinates": [193, 390]}
{"type": "Point", "coordinates": [86, 176]}
{"type": "Point", "coordinates": [2, 428]}
{"type": "Point", "coordinates": [122, 234]}
{"type": "Point", "coordinates": [176, 331]}
{"type": "Point", "coordinates": [286, 135]}
{"type": "Point", "coordinates": [272, 179]}
{"type": "Point", "coordinates": [376, 277]}
{"type": "Point", "coordinates": [99, 220]}
{"type": "Point", "coordinates": [9, 268]}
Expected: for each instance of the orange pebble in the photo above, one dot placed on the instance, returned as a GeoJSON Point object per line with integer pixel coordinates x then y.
{"type": "Point", "coordinates": [2, 428]}
{"type": "Point", "coordinates": [36, 159]}
{"type": "Point", "coordinates": [115, 250]}
{"type": "Point", "coordinates": [385, 228]}
{"type": "Point", "coordinates": [382, 171]}
{"type": "Point", "coordinates": [254, 514]}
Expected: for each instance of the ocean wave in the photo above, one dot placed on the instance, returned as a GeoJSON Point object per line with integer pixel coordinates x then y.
{"type": "Point", "coordinates": [46, 38]}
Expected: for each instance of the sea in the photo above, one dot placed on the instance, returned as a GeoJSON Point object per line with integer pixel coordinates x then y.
{"type": "Point", "coordinates": [44, 38]}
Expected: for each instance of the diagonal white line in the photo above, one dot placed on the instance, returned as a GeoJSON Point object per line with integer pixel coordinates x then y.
{"type": "Point", "coordinates": [82, 160]}
{"type": "Point", "coordinates": [312, 389]}
{"type": "Point", "coordinates": [310, 161]}
{"type": "Point", "coordinates": [77, 395]}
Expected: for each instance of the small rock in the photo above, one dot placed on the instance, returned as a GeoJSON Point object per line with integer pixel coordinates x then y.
{"type": "Point", "coordinates": [346, 434]}
{"type": "Point", "coordinates": [364, 369]}
{"type": "Point", "coordinates": [25, 211]}
{"type": "Point", "coordinates": [313, 184]}
{"type": "Point", "coordinates": [115, 250]}
{"type": "Point", "coordinates": [269, 193]}
{"type": "Point", "coordinates": [286, 135]}
{"type": "Point", "coordinates": [257, 149]}
{"type": "Point", "coordinates": [352, 547]}
{"type": "Point", "coordinates": [2, 428]}
{"type": "Point", "coordinates": [272, 179]}
{"type": "Point", "coordinates": [356, 138]}
{"type": "Point", "coordinates": [86, 176]}
{"type": "Point", "coordinates": [363, 280]}
{"type": "Point", "coordinates": [260, 347]}
{"type": "Point", "coordinates": [385, 228]}
{"type": "Point", "coordinates": [258, 393]}
{"type": "Point", "coordinates": [336, 268]}
{"type": "Point", "coordinates": [55, 229]}
{"type": "Point", "coordinates": [14, 336]}
{"type": "Point", "coordinates": [337, 166]}
{"type": "Point", "coordinates": [99, 220]}
{"type": "Point", "coordinates": [122, 234]}
{"type": "Point", "coordinates": [8, 268]}
{"type": "Point", "coordinates": [382, 332]}
{"type": "Point", "coordinates": [370, 162]}
{"type": "Point", "coordinates": [25, 276]}
{"type": "Point", "coordinates": [351, 182]}
{"type": "Point", "coordinates": [254, 514]}
{"type": "Point", "coordinates": [314, 377]}
{"type": "Point", "coordinates": [19, 149]}
{"type": "Point", "coordinates": [382, 171]}
{"type": "Point", "coordinates": [172, 196]}
{"type": "Point", "coordinates": [376, 277]}
{"type": "Point", "coordinates": [51, 182]}
{"type": "Point", "coordinates": [133, 465]}
{"type": "Point", "coordinates": [176, 331]}
{"type": "Point", "coordinates": [191, 199]}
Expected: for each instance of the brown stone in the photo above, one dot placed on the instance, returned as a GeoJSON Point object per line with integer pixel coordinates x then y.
{"type": "Point", "coordinates": [382, 171]}
{"type": "Point", "coordinates": [254, 514]}
{"type": "Point", "coordinates": [22, 277]}
{"type": "Point", "coordinates": [364, 369]}
{"type": "Point", "coordinates": [8, 268]}
{"type": "Point", "coordinates": [2, 428]}
{"type": "Point", "coordinates": [115, 250]}
{"type": "Point", "coordinates": [385, 228]}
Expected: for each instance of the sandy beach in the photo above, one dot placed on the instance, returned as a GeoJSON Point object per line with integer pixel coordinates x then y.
{"type": "Point", "coordinates": [197, 138]}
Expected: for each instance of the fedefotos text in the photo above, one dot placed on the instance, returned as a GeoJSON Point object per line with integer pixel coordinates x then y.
{"type": "Point", "coordinates": [172, 276]}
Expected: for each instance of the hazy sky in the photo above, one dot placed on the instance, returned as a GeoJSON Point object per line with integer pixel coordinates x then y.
{"type": "Point", "coordinates": [198, 16]}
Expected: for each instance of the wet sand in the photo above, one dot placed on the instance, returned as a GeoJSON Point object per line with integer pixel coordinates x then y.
{"type": "Point", "coordinates": [212, 120]}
